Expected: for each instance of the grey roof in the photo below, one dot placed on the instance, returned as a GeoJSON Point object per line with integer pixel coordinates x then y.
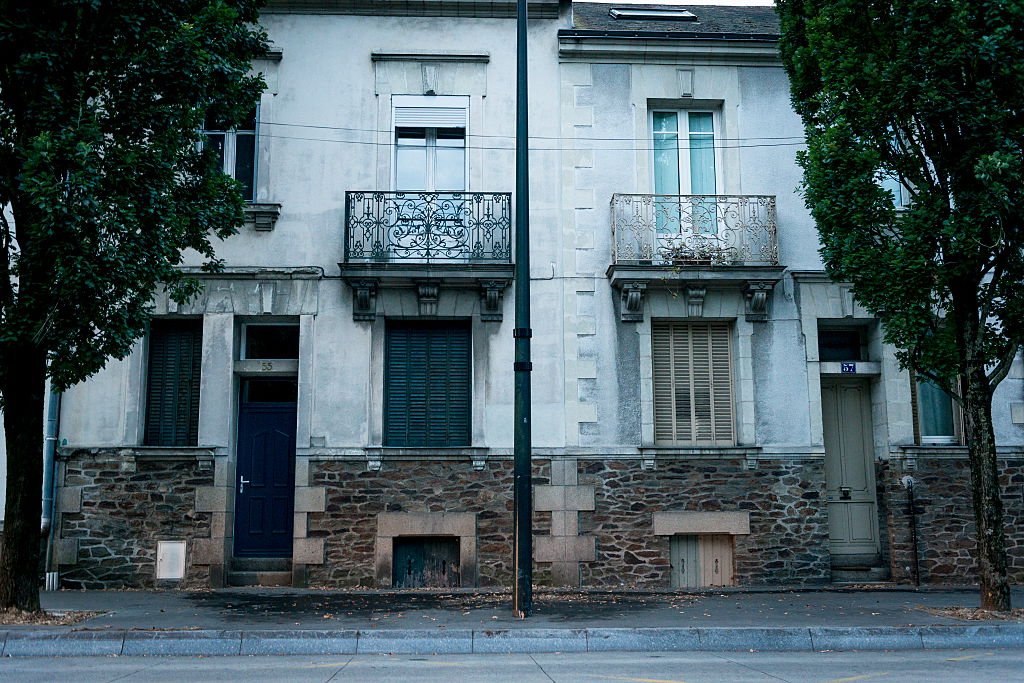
{"type": "Point", "coordinates": [712, 20]}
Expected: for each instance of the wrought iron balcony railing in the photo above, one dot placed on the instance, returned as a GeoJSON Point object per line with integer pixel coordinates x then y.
{"type": "Point", "coordinates": [713, 230]}
{"type": "Point", "coordinates": [428, 227]}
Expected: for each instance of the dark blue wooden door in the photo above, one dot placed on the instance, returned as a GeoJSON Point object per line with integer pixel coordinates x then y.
{"type": "Point", "coordinates": [265, 469]}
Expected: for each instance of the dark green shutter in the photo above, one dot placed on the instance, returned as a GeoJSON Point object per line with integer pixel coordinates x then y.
{"type": "Point", "coordinates": [172, 391]}
{"type": "Point", "coordinates": [427, 384]}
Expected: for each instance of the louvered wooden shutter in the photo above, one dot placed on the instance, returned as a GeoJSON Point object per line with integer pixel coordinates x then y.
{"type": "Point", "coordinates": [427, 384]}
{"type": "Point", "coordinates": [692, 364]}
{"type": "Point", "coordinates": [172, 391]}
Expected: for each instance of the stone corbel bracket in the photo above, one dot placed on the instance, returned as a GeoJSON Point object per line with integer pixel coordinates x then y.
{"type": "Point", "coordinates": [632, 309]}
{"type": "Point", "coordinates": [364, 299]}
{"type": "Point", "coordinates": [647, 463]}
{"type": "Point", "coordinates": [695, 300]}
{"type": "Point", "coordinates": [374, 462]}
{"type": "Point", "coordinates": [757, 294]}
{"type": "Point", "coordinates": [262, 217]}
{"type": "Point", "coordinates": [427, 294]}
{"type": "Point", "coordinates": [492, 292]}
{"type": "Point", "coordinates": [479, 461]}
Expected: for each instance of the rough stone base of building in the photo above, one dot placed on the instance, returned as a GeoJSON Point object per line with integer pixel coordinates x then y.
{"type": "Point", "coordinates": [946, 541]}
{"type": "Point", "coordinates": [115, 506]}
{"type": "Point", "coordinates": [597, 522]}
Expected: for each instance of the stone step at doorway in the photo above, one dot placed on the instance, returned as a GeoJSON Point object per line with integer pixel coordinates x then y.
{"type": "Point", "coordinates": [260, 571]}
{"type": "Point", "coordinates": [860, 575]}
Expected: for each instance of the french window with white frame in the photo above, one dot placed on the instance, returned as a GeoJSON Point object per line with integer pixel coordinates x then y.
{"type": "Point", "coordinates": [430, 143]}
{"type": "Point", "coordinates": [686, 179]}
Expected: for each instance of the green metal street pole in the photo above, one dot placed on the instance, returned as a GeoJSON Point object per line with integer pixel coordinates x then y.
{"type": "Point", "coordinates": [522, 561]}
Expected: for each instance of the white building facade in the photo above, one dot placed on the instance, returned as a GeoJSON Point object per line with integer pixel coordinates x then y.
{"type": "Point", "coordinates": [335, 408]}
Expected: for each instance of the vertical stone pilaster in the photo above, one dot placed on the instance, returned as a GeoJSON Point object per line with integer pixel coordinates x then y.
{"type": "Point", "coordinates": [564, 498]}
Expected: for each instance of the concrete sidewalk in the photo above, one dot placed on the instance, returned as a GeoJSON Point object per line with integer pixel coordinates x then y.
{"type": "Point", "coordinates": [288, 621]}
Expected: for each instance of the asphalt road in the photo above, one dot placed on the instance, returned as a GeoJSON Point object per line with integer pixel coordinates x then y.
{"type": "Point", "coordinates": [977, 666]}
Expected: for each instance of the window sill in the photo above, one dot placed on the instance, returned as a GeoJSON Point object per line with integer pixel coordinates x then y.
{"type": "Point", "coordinates": [201, 454]}
{"type": "Point", "coordinates": [701, 451]}
{"type": "Point", "coordinates": [426, 451]}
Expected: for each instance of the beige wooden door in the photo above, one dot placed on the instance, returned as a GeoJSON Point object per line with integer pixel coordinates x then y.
{"type": "Point", "coordinates": [716, 559]}
{"type": "Point", "coordinates": [850, 472]}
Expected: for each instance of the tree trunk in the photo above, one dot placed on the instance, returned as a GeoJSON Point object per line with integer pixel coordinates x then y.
{"type": "Point", "coordinates": [988, 506]}
{"type": "Point", "coordinates": [23, 383]}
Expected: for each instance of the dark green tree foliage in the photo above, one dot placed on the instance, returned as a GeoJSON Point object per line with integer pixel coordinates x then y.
{"type": "Point", "coordinates": [930, 92]}
{"type": "Point", "coordinates": [105, 182]}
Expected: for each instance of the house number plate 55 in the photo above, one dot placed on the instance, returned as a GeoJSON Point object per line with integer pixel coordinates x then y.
{"type": "Point", "coordinates": [266, 366]}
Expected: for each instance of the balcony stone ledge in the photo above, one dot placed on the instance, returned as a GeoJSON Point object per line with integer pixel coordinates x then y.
{"type": "Point", "coordinates": [634, 281]}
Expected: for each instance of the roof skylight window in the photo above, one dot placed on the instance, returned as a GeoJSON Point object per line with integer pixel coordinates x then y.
{"type": "Point", "coordinates": [666, 14]}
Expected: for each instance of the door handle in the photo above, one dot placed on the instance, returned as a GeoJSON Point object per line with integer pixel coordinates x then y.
{"type": "Point", "coordinates": [242, 481]}
{"type": "Point", "coordinates": [844, 492]}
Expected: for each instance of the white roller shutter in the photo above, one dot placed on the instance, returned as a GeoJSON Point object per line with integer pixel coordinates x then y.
{"type": "Point", "coordinates": [430, 117]}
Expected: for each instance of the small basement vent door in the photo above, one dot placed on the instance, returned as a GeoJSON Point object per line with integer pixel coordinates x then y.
{"type": "Point", "coordinates": [426, 562]}
{"type": "Point", "coordinates": [699, 561]}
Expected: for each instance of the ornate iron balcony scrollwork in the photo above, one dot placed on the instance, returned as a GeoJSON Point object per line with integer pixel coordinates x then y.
{"type": "Point", "coordinates": [694, 230]}
{"type": "Point", "coordinates": [428, 227]}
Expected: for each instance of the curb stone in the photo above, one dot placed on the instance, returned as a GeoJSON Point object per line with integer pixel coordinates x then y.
{"type": "Point", "coordinates": [63, 643]}
{"type": "Point", "coordinates": [182, 643]}
{"type": "Point", "coordinates": [299, 642]}
{"type": "Point", "coordinates": [866, 638]}
{"type": "Point", "coordinates": [66, 643]}
{"type": "Point", "coordinates": [416, 642]}
{"type": "Point", "coordinates": [508, 641]}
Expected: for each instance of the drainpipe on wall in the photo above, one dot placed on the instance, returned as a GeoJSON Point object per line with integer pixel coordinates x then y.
{"type": "Point", "coordinates": [908, 484]}
{"type": "Point", "coordinates": [47, 525]}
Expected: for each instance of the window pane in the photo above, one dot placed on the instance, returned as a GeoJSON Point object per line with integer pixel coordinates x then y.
{"type": "Point", "coordinates": [272, 342]}
{"type": "Point", "coordinates": [702, 164]}
{"type": "Point", "coordinates": [411, 173]}
{"type": "Point", "coordinates": [451, 137]}
{"type": "Point", "coordinates": [211, 123]}
{"type": "Point", "coordinates": [665, 122]}
{"type": "Point", "coordinates": [215, 141]}
{"type": "Point", "coordinates": [245, 163]}
{"type": "Point", "coordinates": [935, 410]}
{"type": "Point", "coordinates": [893, 185]}
{"type": "Point", "coordinates": [270, 391]}
{"type": "Point", "coordinates": [666, 164]}
{"type": "Point", "coordinates": [450, 171]}
{"type": "Point", "coordinates": [702, 153]}
{"type": "Point", "coordinates": [701, 122]}
{"type": "Point", "coordinates": [249, 123]}
{"type": "Point", "coordinates": [412, 136]}
{"type": "Point", "coordinates": [839, 345]}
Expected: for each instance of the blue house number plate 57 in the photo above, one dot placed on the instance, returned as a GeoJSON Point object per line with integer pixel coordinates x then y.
{"type": "Point", "coordinates": [846, 368]}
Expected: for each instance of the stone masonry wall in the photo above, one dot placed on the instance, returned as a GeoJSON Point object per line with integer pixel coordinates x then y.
{"type": "Point", "coordinates": [788, 541]}
{"type": "Point", "coordinates": [115, 507]}
{"type": "Point", "coordinates": [945, 520]}
{"type": "Point", "coordinates": [789, 529]}
{"type": "Point", "coordinates": [355, 496]}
